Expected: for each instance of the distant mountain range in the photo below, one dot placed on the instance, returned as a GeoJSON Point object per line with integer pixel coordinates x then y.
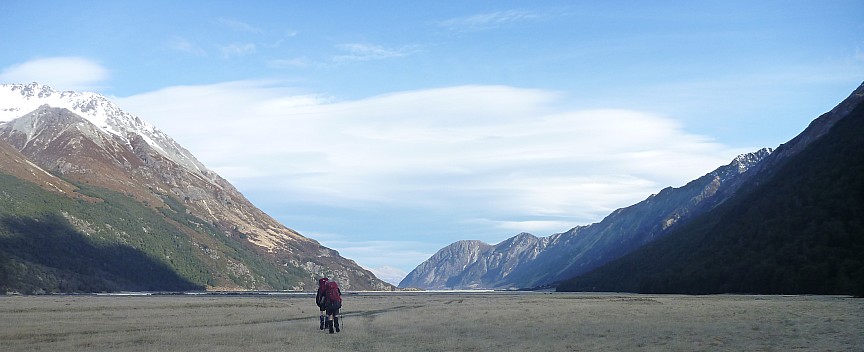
{"type": "Point", "coordinates": [629, 249]}
{"type": "Point", "coordinates": [527, 261]}
{"type": "Point", "coordinates": [83, 180]}
{"type": "Point", "coordinates": [795, 227]}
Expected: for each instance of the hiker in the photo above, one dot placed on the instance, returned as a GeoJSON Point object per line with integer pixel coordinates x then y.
{"type": "Point", "coordinates": [320, 300]}
{"type": "Point", "coordinates": [333, 302]}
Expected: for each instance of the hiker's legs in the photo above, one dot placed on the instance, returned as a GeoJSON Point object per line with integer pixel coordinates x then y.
{"type": "Point", "coordinates": [332, 320]}
{"type": "Point", "coordinates": [322, 318]}
{"type": "Point", "coordinates": [336, 322]}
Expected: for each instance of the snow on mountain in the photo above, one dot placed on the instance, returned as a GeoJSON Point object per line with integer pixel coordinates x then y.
{"type": "Point", "coordinates": [88, 140]}
{"type": "Point", "coordinates": [17, 100]}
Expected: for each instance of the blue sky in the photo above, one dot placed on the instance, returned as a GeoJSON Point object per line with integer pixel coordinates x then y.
{"type": "Point", "coordinates": [387, 130]}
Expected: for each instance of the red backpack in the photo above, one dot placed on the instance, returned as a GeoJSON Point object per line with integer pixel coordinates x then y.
{"type": "Point", "coordinates": [331, 290]}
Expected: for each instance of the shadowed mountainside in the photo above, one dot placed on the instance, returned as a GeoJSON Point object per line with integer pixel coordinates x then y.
{"type": "Point", "coordinates": [526, 261]}
{"type": "Point", "coordinates": [55, 257]}
{"type": "Point", "coordinates": [797, 227]}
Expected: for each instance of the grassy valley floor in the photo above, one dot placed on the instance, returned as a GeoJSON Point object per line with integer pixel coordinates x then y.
{"type": "Point", "coordinates": [434, 322]}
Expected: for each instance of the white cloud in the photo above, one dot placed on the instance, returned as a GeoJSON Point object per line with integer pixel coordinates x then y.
{"type": "Point", "coordinates": [238, 26]}
{"type": "Point", "coordinates": [389, 274]}
{"type": "Point", "coordinates": [490, 20]}
{"type": "Point", "coordinates": [368, 52]}
{"type": "Point", "coordinates": [490, 149]}
{"type": "Point", "coordinates": [185, 46]}
{"type": "Point", "coordinates": [504, 154]}
{"type": "Point", "coordinates": [238, 49]}
{"type": "Point", "coordinates": [388, 260]}
{"type": "Point", "coordinates": [298, 62]}
{"type": "Point", "coordinates": [531, 226]}
{"type": "Point", "coordinates": [63, 73]}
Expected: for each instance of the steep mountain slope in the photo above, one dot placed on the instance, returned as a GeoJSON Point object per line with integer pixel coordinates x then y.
{"type": "Point", "coordinates": [527, 261]}
{"type": "Point", "coordinates": [127, 156]}
{"type": "Point", "coordinates": [12, 162]}
{"type": "Point", "coordinates": [53, 243]}
{"type": "Point", "coordinates": [18, 99]}
{"type": "Point", "coordinates": [448, 262]}
{"type": "Point", "coordinates": [796, 227]}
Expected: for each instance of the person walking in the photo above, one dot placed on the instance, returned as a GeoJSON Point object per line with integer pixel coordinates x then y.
{"type": "Point", "coordinates": [333, 298]}
{"type": "Point", "coordinates": [321, 301]}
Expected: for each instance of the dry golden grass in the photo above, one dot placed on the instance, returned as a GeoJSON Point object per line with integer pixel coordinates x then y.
{"type": "Point", "coordinates": [434, 322]}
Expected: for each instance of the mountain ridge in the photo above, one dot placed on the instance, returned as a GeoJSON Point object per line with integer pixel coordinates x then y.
{"type": "Point", "coordinates": [582, 248]}
{"type": "Point", "coordinates": [99, 110]}
{"type": "Point", "coordinates": [794, 228]}
{"type": "Point", "coordinates": [194, 199]}
{"type": "Point", "coordinates": [597, 254]}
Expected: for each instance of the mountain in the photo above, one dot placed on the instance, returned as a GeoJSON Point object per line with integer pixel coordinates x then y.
{"type": "Point", "coordinates": [525, 261]}
{"type": "Point", "coordinates": [796, 227]}
{"type": "Point", "coordinates": [13, 163]}
{"type": "Point", "coordinates": [448, 262]}
{"type": "Point", "coordinates": [19, 99]}
{"type": "Point", "coordinates": [111, 162]}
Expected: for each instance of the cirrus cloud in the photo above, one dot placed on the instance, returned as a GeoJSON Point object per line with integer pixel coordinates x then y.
{"type": "Point", "coordinates": [481, 162]}
{"type": "Point", "coordinates": [490, 150]}
{"type": "Point", "coordinates": [185, 46]}
{"type": "Point", "coordinates": [490, 20]}
{"type": "Point", "coordinates": [238, 49]}
{"type": "Point", "coordinates": [367, 52]}
{"type": "Point", "coordinates": [237, 25]}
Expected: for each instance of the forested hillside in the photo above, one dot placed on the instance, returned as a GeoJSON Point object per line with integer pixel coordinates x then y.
{"type": "Point", "coordinates": [53, 243]}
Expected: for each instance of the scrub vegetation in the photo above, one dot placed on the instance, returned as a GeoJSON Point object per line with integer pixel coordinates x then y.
{"type": "Point", "coordinates": [51, 244]}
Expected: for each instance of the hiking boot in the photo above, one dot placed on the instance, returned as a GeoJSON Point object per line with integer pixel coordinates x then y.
{"type": "Point", "coordinates": [330, 325]}
{"type": "Point", "coordinates": [336, 323]}
{"type": "Point", "coordinates": [322, 322]}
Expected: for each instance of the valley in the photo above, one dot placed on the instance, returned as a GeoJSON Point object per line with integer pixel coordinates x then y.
{"type": "Point", "coordinates": [504, 321]}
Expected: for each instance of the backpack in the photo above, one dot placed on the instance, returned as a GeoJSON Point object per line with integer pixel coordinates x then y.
{"type": "Point", "coordinates": [331, 290]}
{"type": "Point", "coordinates": [320, 297]}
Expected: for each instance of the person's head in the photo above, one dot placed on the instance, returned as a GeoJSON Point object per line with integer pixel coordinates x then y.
{"type": "Point", "coordinates": [321, 282]}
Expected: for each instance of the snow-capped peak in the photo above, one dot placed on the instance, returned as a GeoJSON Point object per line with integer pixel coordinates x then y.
{"type": "Point", "coordinates": [17, 100]}
{"type": "Point", "coordinates": [745, 161]}
{"type": "Point", "coordinates": [20, 99]}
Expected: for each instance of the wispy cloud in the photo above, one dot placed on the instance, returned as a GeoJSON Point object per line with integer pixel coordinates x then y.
{"type": "Point", "coordinates": [238, 49]}
{"type": "Point", "coordinates": [491, 20]}
{"type": "Point", "coordinates": [64, 73]}
{"type": "Point", "coordinates": [389, 274]}
{"type": "Point", "coordinates": [486, 151]}
{"type": "Point", "coordinates": [238, 26]}
{"type": "Point", "coordinates": [297, 62]}
{"type": "Point", "coordinates": [531, 226]}
{"type": "Point", "coordinates": [367, 52]}
{"type": "Point", "coordinates": [506, 155]}
{"type": "Point", "coordinates": [383, 258]}
{"type": "Point", "coordinates": [185, 46]}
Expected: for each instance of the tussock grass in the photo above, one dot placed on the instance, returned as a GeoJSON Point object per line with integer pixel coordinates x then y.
{"type": "Point", "coordinates": [434, 322]}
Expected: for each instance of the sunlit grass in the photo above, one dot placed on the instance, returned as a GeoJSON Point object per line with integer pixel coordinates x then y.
{"type": "Point", "coordinates": [433, 322]}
